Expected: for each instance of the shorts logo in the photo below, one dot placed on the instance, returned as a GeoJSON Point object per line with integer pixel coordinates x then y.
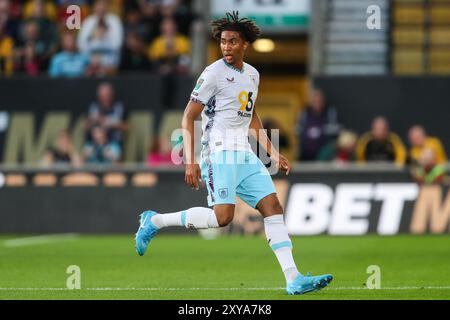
{"type": "Point", "coordinates": [223, 193]}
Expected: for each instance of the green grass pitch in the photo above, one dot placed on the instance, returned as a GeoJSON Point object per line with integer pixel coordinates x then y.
{"type": "Point", "coordinates": [189, 267]}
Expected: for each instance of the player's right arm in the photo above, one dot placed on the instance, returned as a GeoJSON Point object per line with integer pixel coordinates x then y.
{"type": "Point", "coordinates": [205, 88]}
{"type": "Point", "coordinates": [192, 173]}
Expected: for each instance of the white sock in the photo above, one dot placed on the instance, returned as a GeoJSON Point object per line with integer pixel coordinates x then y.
{"type": "Point", "coordinates": [195, 218]}
{"type": "Point", "coordinates": [278, 238]}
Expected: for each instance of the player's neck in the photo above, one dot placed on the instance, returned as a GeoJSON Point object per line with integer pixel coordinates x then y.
{"type": "Point", "coordinates": [238, 65]}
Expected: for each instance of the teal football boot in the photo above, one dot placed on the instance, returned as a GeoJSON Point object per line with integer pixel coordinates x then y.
{"type": "Point", "coordinates": [304, 284]}
{"type": "Point", "coordinates": [146, 232]}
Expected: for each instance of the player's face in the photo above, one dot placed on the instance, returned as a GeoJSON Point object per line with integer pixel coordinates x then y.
{"type": "Point", "coordinates": [232, 46]}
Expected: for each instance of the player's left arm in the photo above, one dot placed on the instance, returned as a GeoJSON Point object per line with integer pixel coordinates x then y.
{"type": "Point", "coordinates": [258, 132]}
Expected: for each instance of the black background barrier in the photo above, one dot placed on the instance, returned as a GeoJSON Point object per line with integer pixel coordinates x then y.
{"type": "Point", "coordinates": [331, 195]}
{"type": "Point", "coordinates": [135, 91]}
{"type": "Point", "coordinates": [97, 209]}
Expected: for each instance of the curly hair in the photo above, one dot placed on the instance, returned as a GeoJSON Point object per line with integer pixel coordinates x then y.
{"type": "Point", "coordinates": [246, 27]}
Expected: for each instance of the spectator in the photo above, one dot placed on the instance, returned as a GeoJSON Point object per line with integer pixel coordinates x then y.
{"type": "Point", "coordinates": [15, 9]}
{"type": "Point", "coordinates": [63, 152]}
{"type": "Point", "coordinates": [69, 62]}
{"type": "Point", "coordinates": [6, 53]}
{"type": "Point", "coordinates": [157, 10]}
{"type": "Point", "coordinates": [317, 126]}
{"type": "Point", "coordinates": [133, 54]}
{"type": "Point", "coordinates": [48, 33]}
{"type": "Point", "coordinates": [428, 171]}
{"type": "Point", "coordinates": [30, 55]}
{"type": "Point", "coordinates": [47, 8]}
{"type": "Point", "coordinates": [160, 153]}
{"type": "Point", "coordinates": [380, 144]}
{"type": "Point", "coordinates": [180, 12]}
{"type": "Point", "coordinates": [100, 150]}
{"type": "Point", "coordinates": [134, 23]}
{"type": "Point", "coordinates": [8, 22]}
{"type": "Point", "coordinates": [150, 16]}
{"type": "Point", "coordinates": [101, 35]}
{"type": "Point", "coordinates": [420, 141]}
{"type": "Point", "coordinates": [170, 50]}
{"type": "Point", "coordinates": [342, 150]}
{"type": "Point", "coordinates": [107, 113]}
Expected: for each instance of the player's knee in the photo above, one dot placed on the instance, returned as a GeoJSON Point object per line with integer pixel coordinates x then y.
{"type": "Point", "coordinates": [224, 219]}
{"type": "Point", "coordinates": [271, 208]}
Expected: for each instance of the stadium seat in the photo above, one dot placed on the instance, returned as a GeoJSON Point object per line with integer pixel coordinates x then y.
{"type": "Point", "coordinates": [146, 180]}
{"type": "Point", "coordinates": [409, 14]}
{"type": "Point", "coordinates": [115, 179]}
{"type": "Point", "coordinates": [45, 180]}
{"type": "Point", "coordinates": [139, 136]}
{"type": "Point", "coordinates": [80, 180]}
{"type": "Point", "coordinates": [408, 61]}
{"type": "Point", "coordinates": [15, 180]}
{"type": "Point", "coordinates": [408, 36]}
{"type": "Point", "coordinates": [439, 60]}
{"type": "Point", "coordinates": [440, 35]}
{"type": "Point", "coordinates": [171, 121]}
{"type": "Point", "coordinates": [440, 14]}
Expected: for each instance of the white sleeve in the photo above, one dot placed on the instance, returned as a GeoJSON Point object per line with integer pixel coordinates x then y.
{"type": "Point", "coordinates": [205, 88]}
{"type": "Point", "coordinates": [85, 32]}
{"type": "Point", "coordinates": [116, 31]}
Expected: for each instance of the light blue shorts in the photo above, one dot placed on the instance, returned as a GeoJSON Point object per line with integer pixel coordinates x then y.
{"type": "Point", "coordinates": [228, 174]}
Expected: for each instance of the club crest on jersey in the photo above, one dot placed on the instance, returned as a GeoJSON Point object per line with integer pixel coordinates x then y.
{"type": "Point", "coordinates": [223, 193]}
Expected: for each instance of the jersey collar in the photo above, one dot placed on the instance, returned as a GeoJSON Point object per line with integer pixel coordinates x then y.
{"type": "Point", "coordinates": [233, 67]}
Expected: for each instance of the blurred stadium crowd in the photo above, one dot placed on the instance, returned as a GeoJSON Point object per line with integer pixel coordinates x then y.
{"type": "Point", "coordinates": [115, 36]}
{"type": "Point", "coordinates": [322, 138]}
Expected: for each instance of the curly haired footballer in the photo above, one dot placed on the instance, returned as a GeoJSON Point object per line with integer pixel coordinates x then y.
{"type": "Point", "coordinates": [225, 97]}
{"type": "Point", "coordinates": [246, 27]}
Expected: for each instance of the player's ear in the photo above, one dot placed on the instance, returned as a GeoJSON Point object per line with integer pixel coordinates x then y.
{"type": "Point", "coordinates": [246, 44]}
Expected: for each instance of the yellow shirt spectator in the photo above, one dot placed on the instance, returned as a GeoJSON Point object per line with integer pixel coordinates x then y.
{"type": "Point", "coordinates": [48, 9]}
{"type": "Point", "coordinates": [380, 144]}
{"type": "Point", "coordinates": [420, 141]}
{"type": "Point", "coordinates": [6, 55]}
{"type": "Point", "coordinates": [170, 44]}
{"type": "Point", "coordinates": [161, 48]}
{"type": "Point", "coordinates": [391, 149]}
{"type": "Point", "coordinates": [432, 143]}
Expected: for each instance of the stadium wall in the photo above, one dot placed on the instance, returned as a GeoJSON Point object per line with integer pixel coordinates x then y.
{"type": "Point", "coordinates": [323, 201]}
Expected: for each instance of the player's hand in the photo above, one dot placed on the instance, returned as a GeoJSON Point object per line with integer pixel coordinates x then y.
{"type": "Point", "coordinates": [281, 162]}
{"type": "Point", "coordinates": [193, 175]}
